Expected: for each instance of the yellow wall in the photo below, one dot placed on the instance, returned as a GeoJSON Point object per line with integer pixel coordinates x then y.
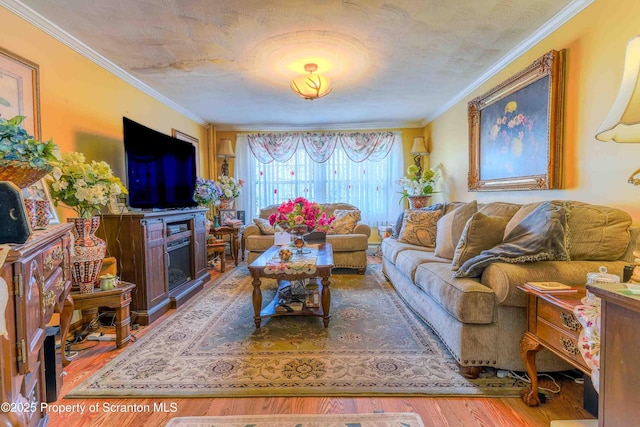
{"type": "Point", "coordinates": [82, 105]}
{"type": "Point", "coordinates": [594, 171]}
{"type": "Point", "coordinates": [407, 140]}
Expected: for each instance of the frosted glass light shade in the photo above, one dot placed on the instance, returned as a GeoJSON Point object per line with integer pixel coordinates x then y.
{"type": "Point", "coordinates": [623, 122]}
{"type": "Point", "coordinates": [311, 86]}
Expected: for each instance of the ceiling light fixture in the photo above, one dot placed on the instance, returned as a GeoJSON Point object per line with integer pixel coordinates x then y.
{"type": "Point", "coordinates": [312, 86]}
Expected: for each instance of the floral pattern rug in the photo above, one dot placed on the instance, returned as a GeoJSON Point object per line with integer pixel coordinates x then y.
{"type": "Point", "coordinates": [374, 345]}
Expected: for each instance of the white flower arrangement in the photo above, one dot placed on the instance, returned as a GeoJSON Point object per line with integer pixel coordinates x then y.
{"type": "Point", "coordinates": [419, 184]}
{"type": "Point", "coordinates": [229, 186]}
{"type": "Point", "coordinates": [82, 186]}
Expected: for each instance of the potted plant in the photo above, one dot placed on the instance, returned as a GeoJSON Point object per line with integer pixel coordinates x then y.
{"type": "Point", "coordinates": [23, 159]}
{"type": "Point", "coordinates": [418, 186]}
{"type": "Point", "coordinates": [85, 188]}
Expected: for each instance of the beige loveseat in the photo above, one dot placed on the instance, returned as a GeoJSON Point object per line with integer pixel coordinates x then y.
{"type": "Point", "coordinates": [481, 318]}
{"type": "Point", "coordinates": [349, 250]}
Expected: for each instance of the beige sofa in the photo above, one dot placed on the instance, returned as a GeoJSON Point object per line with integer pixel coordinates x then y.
{"type": "Point", "coordinates": [482, 319]}
{"type": "Point", "coordinates": [349, 250]}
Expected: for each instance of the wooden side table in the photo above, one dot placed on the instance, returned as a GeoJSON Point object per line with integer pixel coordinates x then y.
{"type": "Point", "coordinates": [118, 298]}
{"type": "Point", "coordinates": [233, 233]}
{"type": "Point", "coordinates": [551, 324]}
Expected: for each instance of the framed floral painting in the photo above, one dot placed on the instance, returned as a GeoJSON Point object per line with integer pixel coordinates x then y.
{"type": "Point", "coordinates": [515, 130]}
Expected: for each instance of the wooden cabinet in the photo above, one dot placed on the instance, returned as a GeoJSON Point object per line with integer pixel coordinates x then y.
{"type": "Point", "coordinates": [38, 283]}
{"type": "Point", "coordinates": [619, 402]}
{"type": "Point", "coordinates": [164, 253]}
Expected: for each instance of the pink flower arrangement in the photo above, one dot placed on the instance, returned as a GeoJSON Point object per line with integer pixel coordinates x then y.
{"type": "Point", "coordinates": [301, 212]}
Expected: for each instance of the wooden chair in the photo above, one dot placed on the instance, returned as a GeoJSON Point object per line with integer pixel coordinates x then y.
{"type": "Point", "coordinates": [215, 249]}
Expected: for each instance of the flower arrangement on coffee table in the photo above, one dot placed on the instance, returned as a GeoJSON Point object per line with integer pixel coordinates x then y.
{"type": "Point", "coordinates": [301, 217]}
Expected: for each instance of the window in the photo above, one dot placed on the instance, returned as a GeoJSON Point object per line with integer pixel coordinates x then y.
{"type": "Point", "coordinates": [370, 186]}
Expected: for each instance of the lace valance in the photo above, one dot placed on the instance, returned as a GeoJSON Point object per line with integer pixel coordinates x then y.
{"type": "Point", "coordinates": [359, 146]}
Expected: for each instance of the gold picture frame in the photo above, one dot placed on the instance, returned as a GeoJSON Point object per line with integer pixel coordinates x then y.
{"type": "Point", "coordinates": [191, 139]}
{"type": "Point", "coordinates": [20, 91]}
{"type": "Point", "coordinates": [515, 130]}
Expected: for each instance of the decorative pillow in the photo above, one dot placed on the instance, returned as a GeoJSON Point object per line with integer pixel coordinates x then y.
{"type": "Point", "coordinates": [345, 221]}
{"type": "Point", "coordinates": [264, 226]}
{"type": "Point", "coordinates": [398, 225]}
{"type": "Point", "coordinates": [450, 228]}
{"type": "Point", "coordinates": [480, 233]}
{"type": "Point", "coordinates": [540, 236]}
{"type": "Point", "coordinates": [419, 227]}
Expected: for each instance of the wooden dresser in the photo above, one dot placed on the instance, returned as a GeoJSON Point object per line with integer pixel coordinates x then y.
{"type": "Point", "coordinates": [619, 403]}
{"type": "Point", "coordinates": [38, 280]}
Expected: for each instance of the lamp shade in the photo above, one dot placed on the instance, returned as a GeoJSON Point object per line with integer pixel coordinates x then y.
{"type": "Point", "coordinates": [419, 147]}
{"type": "Point", "coordinates": [225, 149]}
{"type": "Point", "coordinates": [623, 122]}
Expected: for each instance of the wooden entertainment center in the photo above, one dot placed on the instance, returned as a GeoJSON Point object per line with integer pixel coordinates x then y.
{"type": "Point", "coordinates": [163, 252]}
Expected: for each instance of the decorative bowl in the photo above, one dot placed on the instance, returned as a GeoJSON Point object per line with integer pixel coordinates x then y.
{"type": "Point", "coordinates": [285, 254]}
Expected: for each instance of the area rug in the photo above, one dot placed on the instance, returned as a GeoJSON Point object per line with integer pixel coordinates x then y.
{"type": "Point", "coordinates": [210, 347]}
{"type": "Point", "coordinates": [302, 420]}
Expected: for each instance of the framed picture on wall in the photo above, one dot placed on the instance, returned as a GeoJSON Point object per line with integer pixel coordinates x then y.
{"type": "Point", "coordinates": [190, 139]}
{"type": "Point", "coordinates": [226, 216]}
{"type": "Point", "coordinates": [515, 130]}
{"type": "Point", "coordinates": [20, 91]}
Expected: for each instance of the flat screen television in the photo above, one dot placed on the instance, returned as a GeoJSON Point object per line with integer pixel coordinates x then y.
{"type": "Point", "coordinates": [161, 170]}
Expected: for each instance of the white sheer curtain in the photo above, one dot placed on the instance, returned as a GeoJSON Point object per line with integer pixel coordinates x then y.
{"type": "Point", "coordinates": [369, 185]}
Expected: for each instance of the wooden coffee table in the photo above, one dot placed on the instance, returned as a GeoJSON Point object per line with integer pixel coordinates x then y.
{"type": "Point", "coordinates": [324, 264]}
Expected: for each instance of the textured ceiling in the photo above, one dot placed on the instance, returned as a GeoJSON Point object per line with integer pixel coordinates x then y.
{"type": "Point", "coordinates": [392, 62]}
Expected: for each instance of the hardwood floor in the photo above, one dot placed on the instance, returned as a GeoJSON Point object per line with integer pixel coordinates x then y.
{"type": "Point", "coordinates": [435, 411]}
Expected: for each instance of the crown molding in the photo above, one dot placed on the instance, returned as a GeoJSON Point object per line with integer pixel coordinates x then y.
{"type": "Point", "coordinates": [339, 126]}
{"type": "Point", "coordinates": [39, 21]}
{"type": "Point", "coordinates": [559, 19]}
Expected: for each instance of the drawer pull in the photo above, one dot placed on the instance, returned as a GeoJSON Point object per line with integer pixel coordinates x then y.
{"type": "Point", "coordinates": [60, 284]}
{"type": "Point", "coordinates": [55, 255]}
{"type": "Point", "coordinates": [569, 346]}
{"type": "Point", "coordinates": [48, 301]}
{"type": "Point", "coordinates": [570, 322]}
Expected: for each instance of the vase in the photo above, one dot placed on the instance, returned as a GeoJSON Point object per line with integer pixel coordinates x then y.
{"type": "Point", "coordinates": [30, 205]}
{"type": "Point", "coordinates": [43, 213]}
{"type": "Point", "coordinates": [87, 253]}
{"type": "Point", "coordinates": [226, 203]}
{"type": "Point", "coordinates": [298, 232]}
{"type": "Point", "coordinates": [418, 202]}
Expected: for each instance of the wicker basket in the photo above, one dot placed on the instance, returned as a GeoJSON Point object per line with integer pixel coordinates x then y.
{"type": "Point", "coordinates": [21, 173]}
